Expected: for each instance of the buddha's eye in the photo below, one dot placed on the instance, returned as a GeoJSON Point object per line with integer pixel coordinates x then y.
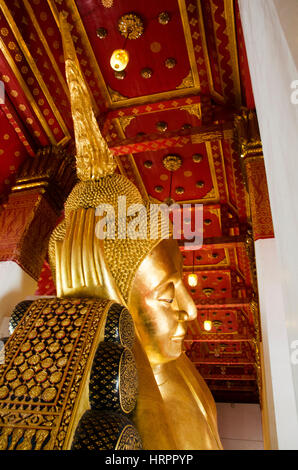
{"type": "Point", "coordinates": [169, 301]}
{"type": "Point", "coordinates": [167, 293]}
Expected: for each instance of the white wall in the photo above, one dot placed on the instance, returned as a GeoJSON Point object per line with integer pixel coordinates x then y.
{"type": "Point", "coordinates": [240, 426]}
{"type": "Point", "coordinates": [15, 286]}
{"type": "Point", "coordinates": [270, 31]}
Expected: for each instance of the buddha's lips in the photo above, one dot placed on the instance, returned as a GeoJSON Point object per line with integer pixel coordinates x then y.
{"type": "Point", "coordinates": [178, 338]}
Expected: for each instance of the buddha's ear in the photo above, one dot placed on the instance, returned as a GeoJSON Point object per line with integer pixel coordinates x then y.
{"type": "Point", "coordinates": [81, 268]}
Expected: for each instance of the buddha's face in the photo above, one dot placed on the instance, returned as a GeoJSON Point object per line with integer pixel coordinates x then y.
{"type": "Point", "coordinates": [160, 303]}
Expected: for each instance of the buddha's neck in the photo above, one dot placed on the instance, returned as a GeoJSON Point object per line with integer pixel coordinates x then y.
{"type": "Point", "coordinates": [161, 373]}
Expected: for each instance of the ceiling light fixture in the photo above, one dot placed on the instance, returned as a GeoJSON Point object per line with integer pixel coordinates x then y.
{"type": "Point", "coordinates": [207, 325]}
{"type": "Point", "coordinates": [130, 26]}
{"type": "Point", "coordinates": [192, 278]}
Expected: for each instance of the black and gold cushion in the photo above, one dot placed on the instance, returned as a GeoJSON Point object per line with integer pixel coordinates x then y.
{"type": "Point", "coordinates": [18, 313]}
{"type": "Point", "coordinates": [101, 430]}
{"type": "Point", "coordinates": [119, 326]}
{"type": "Point", "coordinates": [113, 380]}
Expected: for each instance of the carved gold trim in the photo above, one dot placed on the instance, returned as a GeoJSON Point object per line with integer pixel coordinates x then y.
{"type": "Point", "coordinates": [194, 109]}
{"type": "Point", "coordinates": [125, 121]}
{"type": "Point", "coordinates": [230, 20]}
{"type": "Point", "coordinates": [115, 95]}
{"type": "Point", "coordinates": [189, 43]}
{"type": "Point", "coordinates": [211, 194]}
{"type": "Point", "coordinates": [187, 82]}
{"type": "Point", "coordinates": [224, 173]}
{"type": "Point", "coordinates": [64, 141]}
{"type": "Point", "coordinates": [33, 66]}
{"type": "Point", "coordinates": [27, 92]}
{"type": "Point", "coordinates": [212, 169]}
{"type": "Point", "coordinates": [213, 92]}
{"type": "Point", "coordinates": [213, 8]}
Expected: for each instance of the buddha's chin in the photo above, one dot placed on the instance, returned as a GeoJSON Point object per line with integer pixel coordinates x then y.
{"type": "Point", "coordinates": [174, 350]}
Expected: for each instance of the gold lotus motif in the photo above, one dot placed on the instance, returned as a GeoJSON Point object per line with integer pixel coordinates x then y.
{"type": "Point", "coordinates": [131, 26]}
{"type": "Point", "coordinates": [172, 162]}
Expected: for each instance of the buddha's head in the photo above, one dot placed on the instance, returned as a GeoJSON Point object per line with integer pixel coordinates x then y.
{"type": "Point", "coordinates": [147, 272]}
{"type": "Point", "coordinates": [144, 273]}
{"type": "Point", "coordinates": [160, 303]}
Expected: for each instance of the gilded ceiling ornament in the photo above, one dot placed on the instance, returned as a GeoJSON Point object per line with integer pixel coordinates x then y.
{"type": "Point", "coordinates": [164, 17]}
{"type": "Point", "coordinates": [125, 121]}
{"type": "Point", "coordinates": [208, 291]}
{"type": "Point", "coordinates": [146, 72]}
{"type": "Point", "coordinates": [161, 126]}
{"type": "Point", "coordinates": [131, 26]}
{"type": "Point", "coordinates": [210, 194]}
{"type": "Point", "coordinates": [158, 189]}
{"type": "Point", "coordinates": [101, 33]}
{"type": "Point", "coordinates": [93, 157]}
{"type": "Point", "coordinates": [207, 221]}
{"type": "Point", "coordinates": [186, 126]}
{"type": "Point", "coordinates": [179, 190]}
{"type": "Point", "coordinates": [107, 3]}
{"type": "Point", "coordinates": [200, 184]}
{"type": "Point", "coordinates": [194, 109]}
{"type": "Point", "coordinates": [170, 62]}
{"type": "Point", "coordinates": [172, 162]}
{"type": "Point", "coordinates": [187, 82]}
{"type": "Point", "coordinates": [120, 75]}
{"type": "Point", "coordinates": [155, 47]}
{"type": "Point", "coordinates": [115, 95]}
{"type": "Point", "coordinates": [148, 164]}
{"type": "Point", "coordinates": [197, 157]}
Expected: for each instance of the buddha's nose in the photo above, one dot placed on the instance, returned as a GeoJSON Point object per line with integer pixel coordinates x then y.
{"type": "Point", "coordinates": [186, 305]}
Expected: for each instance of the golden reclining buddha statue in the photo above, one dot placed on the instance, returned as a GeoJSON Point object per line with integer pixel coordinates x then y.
{"type": "Point", "coordinates": [74, 376]}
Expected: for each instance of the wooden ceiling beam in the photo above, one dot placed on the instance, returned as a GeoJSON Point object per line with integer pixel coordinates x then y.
{"type": "Point", "coordinates": [180, 138]}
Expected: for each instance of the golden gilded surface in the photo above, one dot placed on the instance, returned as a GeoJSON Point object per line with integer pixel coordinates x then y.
{"type": "Point", "coordinates": [175, 409]}
{"type": "Point", "coordinates": [47, 366]}
{"type": "Point", "coordinates": [94, 159]}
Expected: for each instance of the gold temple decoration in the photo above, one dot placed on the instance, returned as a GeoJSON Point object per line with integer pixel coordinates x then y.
{"type": "Point", "coordinates": [146, 72]}
{"type": "Point", "coordinates": [115, 95]}
{"type": "Point", "coordinates": [194, 109]}
{"type": "Point", "coordinates": [172, 162]}
{"type": "Point", "coordinates": [208, 291]}
{"type": "Point", "coordinates": [131, 26]}
{"type": "Point", "coordinates": [107, 3]}
{"type": "Point", "coordinates": [164, 17]}
{"type": "Point", "coordinates": [125, 121]}
{"type": "Point", "coordinates": [248, 134]}
{"type": "Point", "coordinates": [170, 62]}
{"type": "Point", "coordinates": [94, 159]}
{"type": "Point", "coordinates": [187, 82]}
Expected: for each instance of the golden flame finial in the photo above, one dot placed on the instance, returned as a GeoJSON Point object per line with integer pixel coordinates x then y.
{"type": "Point", "coordinates": [93, 157]}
